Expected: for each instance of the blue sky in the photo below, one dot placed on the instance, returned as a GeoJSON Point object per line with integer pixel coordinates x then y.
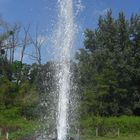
{"type": "Point", "coordinates": [44, 12]}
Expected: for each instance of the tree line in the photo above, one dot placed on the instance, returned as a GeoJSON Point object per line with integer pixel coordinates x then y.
{"type": "Point", "coordinates": [107, 69]}
{"type": "Point", "coordinates": [109, 66]}
{"type": "Point", "coordinates": [19, 86]}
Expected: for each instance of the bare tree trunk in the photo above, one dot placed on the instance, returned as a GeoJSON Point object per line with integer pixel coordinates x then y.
{"type": "Point", "coordinates": [25, 42]}
{"type": "Point", "coordinates": [37, 43]}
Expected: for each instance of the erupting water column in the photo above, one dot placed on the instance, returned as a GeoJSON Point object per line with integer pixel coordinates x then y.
{"type": "Point", "coordinates": [64, 37]}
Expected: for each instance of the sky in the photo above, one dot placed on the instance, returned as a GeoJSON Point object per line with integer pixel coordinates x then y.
{"type": "Point", "coordinates": [43, 13]}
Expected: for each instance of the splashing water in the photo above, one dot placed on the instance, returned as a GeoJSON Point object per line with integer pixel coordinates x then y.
{"type": "Point", "coordinates": [64, 41]}
{"type": "Point", "coordinates": [58, 99]}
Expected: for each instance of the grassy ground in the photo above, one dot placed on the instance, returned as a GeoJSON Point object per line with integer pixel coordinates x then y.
{"type": "Point", "coordinates": [16, 125]}
{"type": "Point", "coordinates": [115, 138]}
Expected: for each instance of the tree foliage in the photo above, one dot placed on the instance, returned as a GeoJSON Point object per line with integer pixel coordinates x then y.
{"type": "Point", "coordinates": [110, 66]}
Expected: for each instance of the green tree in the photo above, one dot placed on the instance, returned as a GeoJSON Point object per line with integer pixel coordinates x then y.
{"type": "Point", "coordinates": [109, 66]}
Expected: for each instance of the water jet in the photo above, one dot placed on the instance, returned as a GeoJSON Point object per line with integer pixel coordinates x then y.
{"type": "Point", "coordinates": [61, 104]}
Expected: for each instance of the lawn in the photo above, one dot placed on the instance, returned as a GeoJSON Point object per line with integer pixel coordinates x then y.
{"type": "Point", "coordinates": [115, 138]}
{"type": "Point", "coordinates": [16, 125]}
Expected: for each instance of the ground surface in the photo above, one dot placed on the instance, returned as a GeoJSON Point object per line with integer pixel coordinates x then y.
{"type": "Point", "coordinates": [115, 138]}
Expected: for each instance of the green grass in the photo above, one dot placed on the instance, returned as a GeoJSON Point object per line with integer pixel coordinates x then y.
{"type": "Point", "coordinates": [16, 125]}
{"type": "Point", "coordinates": [113, 138]}
{"type": "Point", "coordinates": [108, 126]}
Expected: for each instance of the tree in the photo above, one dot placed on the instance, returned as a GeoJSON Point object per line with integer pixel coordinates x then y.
{"type": "Point", "coordinates": [109, 66]}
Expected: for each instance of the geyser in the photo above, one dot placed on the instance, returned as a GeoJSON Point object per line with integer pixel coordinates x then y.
{"type": "Point", "coordinates": [63, 43]}
{"type": "Point", "coordinates": [58, 98]}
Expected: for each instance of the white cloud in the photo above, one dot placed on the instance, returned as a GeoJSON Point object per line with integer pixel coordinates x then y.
{"type": "Point", "coordinates": [17, 54]}
{"type": "Point", "coordinates": [98, 13]}
{"type": "Point", "coordinates": [42, 39]}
